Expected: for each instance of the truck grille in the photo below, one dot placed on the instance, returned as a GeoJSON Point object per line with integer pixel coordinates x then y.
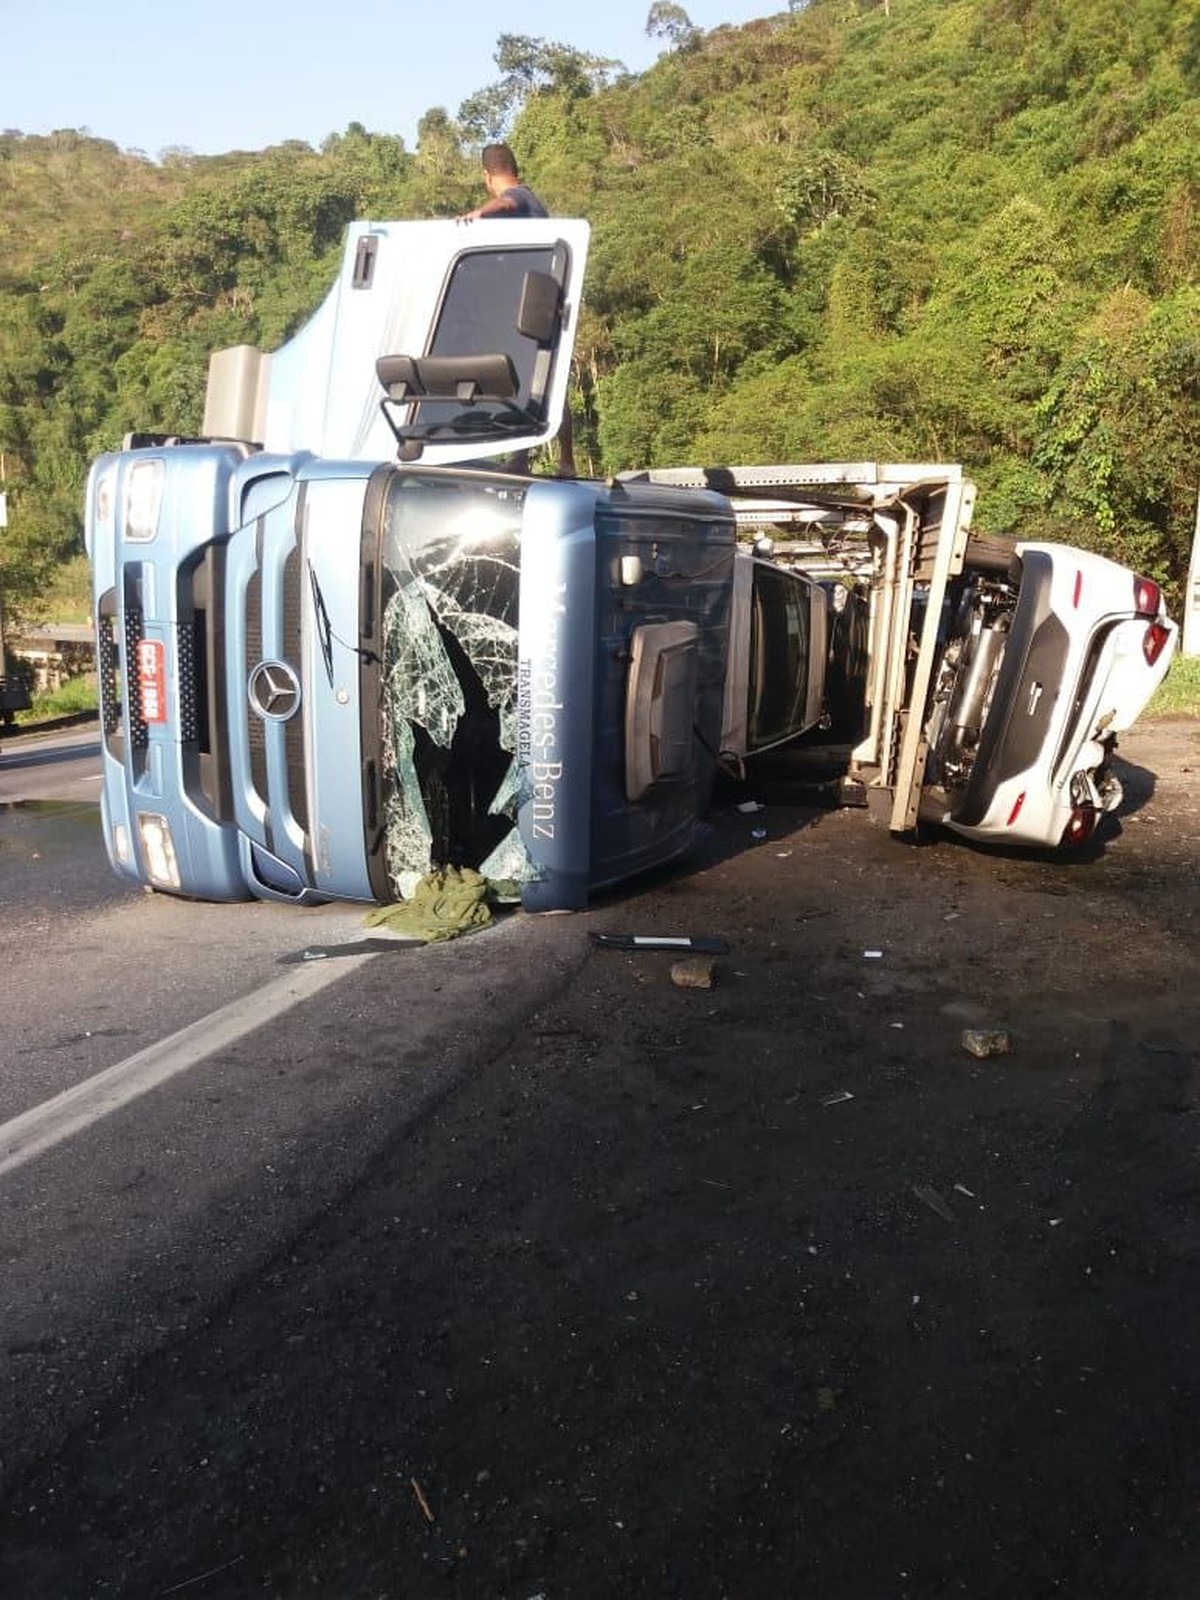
{"type": "Point", "coordinates": [203, 733]}
{"type": "Point", "coordinates": [139, 733]}
{"type": "Point", "coordinates": [279, 643]}
{"type": "Point", "coordinates": [189, 723]}
{"type": "Point", "coordinates": [108, 667]}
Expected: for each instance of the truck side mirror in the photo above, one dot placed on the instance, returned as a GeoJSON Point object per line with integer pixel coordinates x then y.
{"type": "Point", "coordinates": [466, 379]}
{"type": "Point", "coordinates": [540, 311]}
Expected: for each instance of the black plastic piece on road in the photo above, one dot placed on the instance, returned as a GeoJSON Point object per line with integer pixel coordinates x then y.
{"type": "Point", "coordinates": [356, 947]}
{"type": "Point", "coordinates": [705, 944]}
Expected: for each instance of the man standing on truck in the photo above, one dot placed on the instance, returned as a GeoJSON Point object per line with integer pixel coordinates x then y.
{"type": "Point", "coordinates": [507, 195]}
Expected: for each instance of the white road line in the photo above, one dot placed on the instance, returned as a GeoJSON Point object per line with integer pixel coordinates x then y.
{"type": "Point", "coordinates": [44, 1126]}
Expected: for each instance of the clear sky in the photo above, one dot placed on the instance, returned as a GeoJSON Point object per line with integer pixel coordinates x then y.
{"type": "Point", "coordinates": [218, 75]}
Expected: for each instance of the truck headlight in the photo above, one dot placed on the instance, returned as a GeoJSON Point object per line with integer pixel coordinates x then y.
{"type": "Point", "coordinates": [158, 850]}
{"type": "Point", "coordinates": [103, 498]}
{"type": "Point", "coordinates": [143, 497]}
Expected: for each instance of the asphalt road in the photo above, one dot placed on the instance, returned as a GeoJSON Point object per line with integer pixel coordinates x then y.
{"type": "Point", "coordinates": [179, 1094]}
{"type": "Point", "coordinates": [62, 765]}
{"type": "Point", "coordinates": [511, 1268]}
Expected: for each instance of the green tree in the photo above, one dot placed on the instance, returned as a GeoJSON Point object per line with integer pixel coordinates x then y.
{"type": "Point", "coordinates": [528, 67]}
{"type": "Point", "coordinates": [797, 250]}
{"type": "Point", "coordinates": [672, 23]}
{"type": "Point", "coordinates": [1119, 432]}
{"type": "Point", "coordinates": [444, 181]}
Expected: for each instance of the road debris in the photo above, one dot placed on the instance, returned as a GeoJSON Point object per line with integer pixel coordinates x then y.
{"type": "Point", "coordinates": [984, 1042]}
{"type": "Point", "coordinates": [837, 1099]}
{"type": "Point", "coordinates": [354, 947]}
{"type": "Point", "coordinates": [696, 973]}
{"type": "Point", "coordinates": [933, 1200]}
{"type": "Point", "coordinates": [421, 1500]}
{"type": "Point", "coordinates": [444, 904]}
{"type": "Point", "coordinates": [212, 1572]}
{"type": "Point", "coordinates": [709, 945]}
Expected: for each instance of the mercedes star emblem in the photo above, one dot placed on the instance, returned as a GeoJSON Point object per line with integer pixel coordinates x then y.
{"type": "Point", "coordinates": [274, 691]}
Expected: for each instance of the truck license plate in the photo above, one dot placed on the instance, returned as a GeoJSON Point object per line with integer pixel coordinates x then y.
{"type": "Point", "coordinates": [152, 680]}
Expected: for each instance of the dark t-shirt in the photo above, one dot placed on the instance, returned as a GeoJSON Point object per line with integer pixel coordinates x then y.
{"type": "Point", "coordinates": [524, 202]}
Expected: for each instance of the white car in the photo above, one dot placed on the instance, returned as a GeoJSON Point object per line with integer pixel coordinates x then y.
{"type": "Point", "coordinates": [1049, 653]}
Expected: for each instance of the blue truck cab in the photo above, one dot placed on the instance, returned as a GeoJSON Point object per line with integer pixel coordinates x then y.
{"type": "Point", "coordinates": [339, 645]}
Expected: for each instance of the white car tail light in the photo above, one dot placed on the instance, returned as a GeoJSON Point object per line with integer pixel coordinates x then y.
{"type": "Point", "coordinates": [1147, 597]}
{"type": "Point", "coordinates": [1154, 640]}
{"type": "Point", "coordinates": [1081, 826]}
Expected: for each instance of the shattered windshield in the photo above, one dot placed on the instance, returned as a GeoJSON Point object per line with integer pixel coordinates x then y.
{"type": "Point", "coordinates": [450, 578]}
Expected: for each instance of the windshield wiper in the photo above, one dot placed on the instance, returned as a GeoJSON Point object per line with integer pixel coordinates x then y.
{"type": "Point", "coordinates": [326, 634]}
{"type": "Point", "coordinates": [324, 626]}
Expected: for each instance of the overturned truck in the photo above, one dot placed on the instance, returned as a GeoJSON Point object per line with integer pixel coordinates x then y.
{"type": "Point", "coordinates": [339, 646]}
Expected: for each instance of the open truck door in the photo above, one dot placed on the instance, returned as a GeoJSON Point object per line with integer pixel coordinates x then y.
{"type": "Point", "coordinates": [438, 342]}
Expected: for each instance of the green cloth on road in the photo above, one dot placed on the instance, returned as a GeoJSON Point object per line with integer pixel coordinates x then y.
{"type": "Point", "coordinates": [444, 904]}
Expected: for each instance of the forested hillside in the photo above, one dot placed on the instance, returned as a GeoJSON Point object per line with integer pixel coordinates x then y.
{"type": "Point", "coordinates": [962, 230]}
